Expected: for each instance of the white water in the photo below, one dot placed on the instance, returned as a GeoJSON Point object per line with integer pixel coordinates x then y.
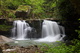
{"type": "Point", "coordinates": [50, 31]}
{"type": "Point", "coordinates": [20, 30]}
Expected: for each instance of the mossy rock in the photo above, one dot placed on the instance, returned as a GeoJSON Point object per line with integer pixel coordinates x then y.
{"type": "Point", "coordinates": [24, 8]}
{"type": "Point", "coordinates": [22, 11]}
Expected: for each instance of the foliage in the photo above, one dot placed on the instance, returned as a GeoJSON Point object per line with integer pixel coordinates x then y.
{"type": "Point", "coordinates": [78, 31]}
{"type": "Point", "coordinates": [40, 8]}
{"type": "Point", "coordinates": [6, 7]}
{"type": "Point", "coordinates": [49, 8]}
{"type": "Point", "coordinates": [0, 13]}
{"type": "Point", "coordinates": [62, 48]}
{"type": "Point", "coordinates": [11, 15]}
{"type": "Point", "coordinates": [5, 27]}
{"type": "Point", "coordinates": [36, 7]}
{"type": "Point", "coordinates": [12, 4]}
{"type": "Point", "coordinates": [65, 9]}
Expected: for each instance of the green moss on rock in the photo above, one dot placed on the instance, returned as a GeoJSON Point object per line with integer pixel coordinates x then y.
{"type": "Point", "coordinates": [23, 8]}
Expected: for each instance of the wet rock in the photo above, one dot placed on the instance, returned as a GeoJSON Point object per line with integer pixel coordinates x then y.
{"type": "Point", "coordinates": [4, 46]}
{"type": "Point", "coordinates": [8, 50]}
{"type": "Point", "coordinates": [19, 49]}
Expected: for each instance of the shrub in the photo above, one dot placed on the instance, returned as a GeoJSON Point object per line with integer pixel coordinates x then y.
{"type": "Point", "coordinates": [0, 13]}
{"type": "Point", "coordinates": [5, 27]}
{"type": "Point", "coordinates": [11, 15]}
{"type": "Point", "coordinates": [63, 48]}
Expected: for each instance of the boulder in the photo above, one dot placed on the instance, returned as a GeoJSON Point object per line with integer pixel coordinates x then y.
{"type": "Point", "coordinates": [5, 39]}
{"type": "Point", "coordinates": [23, 11]}
{"type": "Point", "coordinates": [21, 14]}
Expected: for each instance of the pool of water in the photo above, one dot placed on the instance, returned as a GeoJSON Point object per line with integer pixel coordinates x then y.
{"type": "Point", "coordinates": [25, 43]}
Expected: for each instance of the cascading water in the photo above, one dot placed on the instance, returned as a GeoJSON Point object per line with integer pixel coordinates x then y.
{"type": "Point", "coordinates": [51, 31]}
{"type": "Point", "coordinates": [20, 29]}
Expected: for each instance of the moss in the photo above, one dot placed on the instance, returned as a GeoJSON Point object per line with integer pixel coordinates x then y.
{"type": "Point", "coordinates": [23, 8]}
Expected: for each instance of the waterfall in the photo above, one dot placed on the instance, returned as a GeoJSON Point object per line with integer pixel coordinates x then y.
{"type": "Point", "coordinates": [50, 28]}
{"type": "Point", "coordinates": [51, 31]}
{"type": "Point", "coordinates": [20, 29]}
